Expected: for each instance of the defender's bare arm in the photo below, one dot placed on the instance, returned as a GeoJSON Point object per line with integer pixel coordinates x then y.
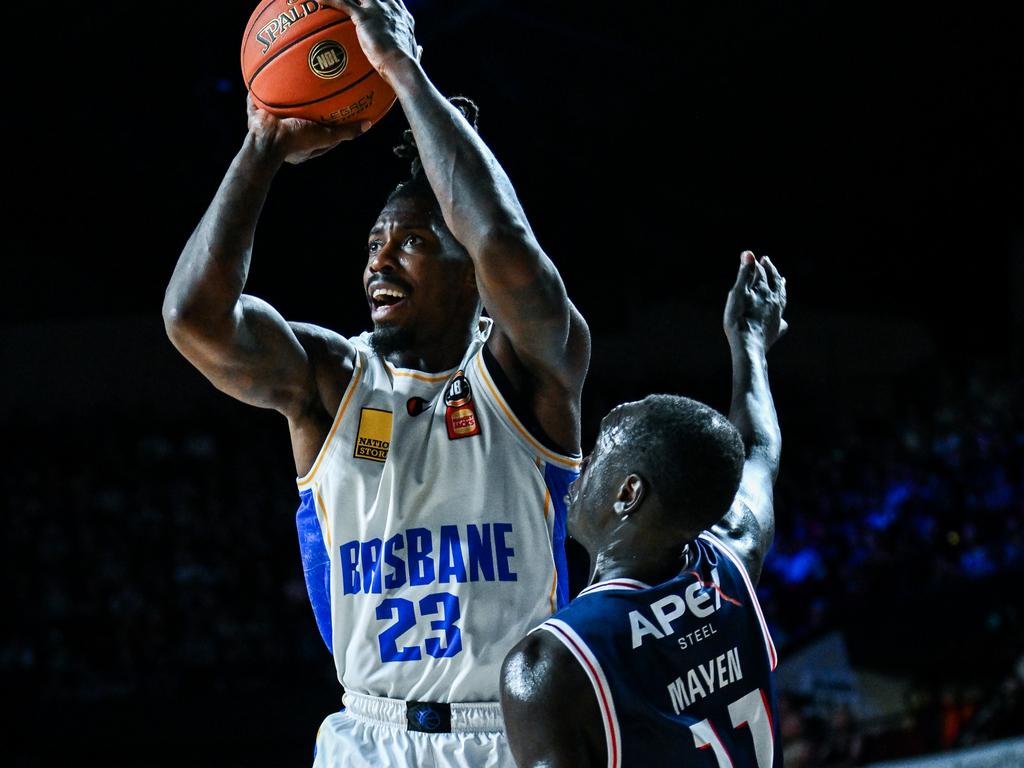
{"type": "Point", "coordinates": [753, 322]}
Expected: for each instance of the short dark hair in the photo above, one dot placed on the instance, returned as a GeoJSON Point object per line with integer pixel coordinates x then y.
{"type": "Point", "coordinates": [689, 454]}
{"type": "Point", "coordinates": [417, 185]}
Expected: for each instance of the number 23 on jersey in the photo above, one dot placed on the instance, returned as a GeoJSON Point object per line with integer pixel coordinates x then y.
{"type": "Point", "coordinates": [406, 613]}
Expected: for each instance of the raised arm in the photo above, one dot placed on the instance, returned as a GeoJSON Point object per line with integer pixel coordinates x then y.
{"type": "Point", "coordinates": [549, 707]}
{"type": "Point", "coordinates": [239, 342]}
{"type": "Point", "coordinates": [519, 285]}
{"type": "Point", "coordinates": [753, 322]}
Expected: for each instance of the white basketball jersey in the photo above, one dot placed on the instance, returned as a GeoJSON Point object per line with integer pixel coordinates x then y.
{"type": "Point", "coordinates": [432, 527]}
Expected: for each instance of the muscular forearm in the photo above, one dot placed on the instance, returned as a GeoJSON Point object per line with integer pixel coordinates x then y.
{"type": "Point", "coordinates": [752, 410]}
{"type": "Point", "coordinates": [212, 269]}
{"type": "Point", "coordinates": [476, 197]}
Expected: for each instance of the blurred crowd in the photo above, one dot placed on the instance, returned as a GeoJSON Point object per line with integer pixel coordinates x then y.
{"type": "Point", "coordinates": [152, 565]}
{"type": "Point", "coordinates": [907, 534]}
{"type": "Point", "coordinates": [932, 500]}
{"type": "Point", "coordinates": [155, 563]}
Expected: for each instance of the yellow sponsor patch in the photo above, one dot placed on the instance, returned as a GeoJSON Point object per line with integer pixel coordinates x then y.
{"type": "Point", "coordinates": [374, 438]}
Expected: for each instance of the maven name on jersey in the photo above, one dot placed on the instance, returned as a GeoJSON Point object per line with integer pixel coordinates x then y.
{"type": "Point", "coordinates": [462, 553]}
{"type": "Point", "coordinates": [705, 679]}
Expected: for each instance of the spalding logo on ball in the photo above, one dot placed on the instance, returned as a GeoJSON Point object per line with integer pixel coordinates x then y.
{"type": "Point", "coordinates": [301, 59]}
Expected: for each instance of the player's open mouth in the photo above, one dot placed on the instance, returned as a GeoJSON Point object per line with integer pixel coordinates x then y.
{"type": "Point", "coordinates": [384, 299]}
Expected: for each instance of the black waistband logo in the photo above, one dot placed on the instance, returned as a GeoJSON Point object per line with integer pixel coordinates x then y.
{"type": "Point", "coordinates": [428, 717]}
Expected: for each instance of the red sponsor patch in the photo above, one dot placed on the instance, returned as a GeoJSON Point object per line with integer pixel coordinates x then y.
{"type": "Point", "coordinates": [460, 412]}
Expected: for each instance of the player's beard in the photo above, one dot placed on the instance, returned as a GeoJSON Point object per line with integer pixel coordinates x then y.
{"type": "Point", "coordinates": [388, 339]}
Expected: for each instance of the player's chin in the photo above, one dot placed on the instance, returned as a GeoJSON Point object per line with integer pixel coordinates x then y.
{"type": "Point", "coordinates": [393, 325]}
{"type": "Point", "coordinates": [389, 337]}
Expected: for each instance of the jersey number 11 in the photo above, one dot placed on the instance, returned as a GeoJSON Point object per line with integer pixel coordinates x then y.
{"type": "Point", "coordinates": [750, 710]}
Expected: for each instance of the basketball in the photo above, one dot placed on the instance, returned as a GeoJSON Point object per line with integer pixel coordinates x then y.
{"type": "Point", "coordinates": [301, 59]}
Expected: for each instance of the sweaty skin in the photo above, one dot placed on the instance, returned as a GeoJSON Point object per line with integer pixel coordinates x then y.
{"type": "Point", "coordinates": [550, 707]}
{"type": "Point", "coordinates": [753, 323]}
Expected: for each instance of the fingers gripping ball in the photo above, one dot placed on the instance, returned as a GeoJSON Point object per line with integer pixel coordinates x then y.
{"type": "Point", "coordinates": [302, 59]}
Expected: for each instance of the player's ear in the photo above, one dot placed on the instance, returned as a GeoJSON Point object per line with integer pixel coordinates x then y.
{"type": "Point", "coordinates": [630, 494]}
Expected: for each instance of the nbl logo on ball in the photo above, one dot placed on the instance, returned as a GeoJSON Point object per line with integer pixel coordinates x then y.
{"type": "Point", "coordinates": [328, 59]}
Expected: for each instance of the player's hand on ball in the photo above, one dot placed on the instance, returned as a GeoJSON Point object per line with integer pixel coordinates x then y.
{"type": "Point", "coordinates": [294, 140]}
{"type": "Point", "coordinates": [756, 302]}
{"type": "Point", "coordinates": [385, 28]}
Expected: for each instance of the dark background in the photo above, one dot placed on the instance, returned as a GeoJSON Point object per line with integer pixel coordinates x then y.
{"type": "Point", "coordinates": [873, 150]}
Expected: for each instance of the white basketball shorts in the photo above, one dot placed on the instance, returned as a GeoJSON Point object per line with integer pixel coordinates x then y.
{"type": "Point", "coordinates": [373, 732]}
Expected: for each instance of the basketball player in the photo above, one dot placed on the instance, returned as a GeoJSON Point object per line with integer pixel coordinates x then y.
{"type": "Point", "coordinates": [666, 653]}
{"type": "Point", "coordinates": [433, 454]}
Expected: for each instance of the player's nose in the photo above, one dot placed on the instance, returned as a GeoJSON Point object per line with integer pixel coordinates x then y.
{"type": "Point", "coordinates": [384, 259]}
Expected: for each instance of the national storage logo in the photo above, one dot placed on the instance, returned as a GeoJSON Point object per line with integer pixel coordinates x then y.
{"type": "Point", "coordinates": [374, 437]}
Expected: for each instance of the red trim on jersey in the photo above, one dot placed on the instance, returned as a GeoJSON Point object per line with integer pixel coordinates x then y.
{"type": "Point", "coordinates": [771, 720]}
{"type": "Point", "coordinates": [592, 667]}
{"type": "Point", "coordinates": [712, 585]}
{"type": "Point", "coordinates": [614, 584]}
{"type": "Point", "coordinates": [718, 544]}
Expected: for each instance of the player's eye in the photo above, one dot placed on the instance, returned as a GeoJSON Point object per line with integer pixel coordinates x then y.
{"type": "Point", "coordinates": [412, 241]}
{"type": "Point", "coordinates": [374, 246]}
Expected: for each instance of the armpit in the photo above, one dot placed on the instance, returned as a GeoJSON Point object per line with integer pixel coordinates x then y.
{"type": "Point", "coordinates": [744, 534]}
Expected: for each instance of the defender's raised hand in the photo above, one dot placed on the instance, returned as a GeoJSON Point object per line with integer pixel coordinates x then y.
{"type": "Point", "coordinates": [756, 301]}
{"type": "Point", "coordinates": [385, 29]}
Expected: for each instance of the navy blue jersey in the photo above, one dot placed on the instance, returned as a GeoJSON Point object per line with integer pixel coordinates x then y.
{"type": "Point", "coordinates": [682, 671]}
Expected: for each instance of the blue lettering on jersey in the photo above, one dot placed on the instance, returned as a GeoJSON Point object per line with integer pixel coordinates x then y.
{"type": "Point", "coordinates": [349, 574]}
{"type": "Point", "coordinates": [504, 552]}
{"type": "Point", "coordinates": [421, 566]}
{"type": "Point", "coordinates": [396, 578]}
{"type": "Point", "coordinates": [369, 567]}
{"type": "Point", "coordinates": [370, 555]}
{"type": "Point", "coordinates": [481, 554]}
{"type": "Point", "coordinates": [450, 564]}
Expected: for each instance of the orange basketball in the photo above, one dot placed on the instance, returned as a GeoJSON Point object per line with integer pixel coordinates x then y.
{"type": "Point", "coordinates": [301, 59]}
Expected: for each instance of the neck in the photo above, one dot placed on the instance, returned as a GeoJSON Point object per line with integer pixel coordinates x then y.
{"type": "Point", "coordinates": [431, 352]}
{"type": "Point", "coordinates": [650, 567]}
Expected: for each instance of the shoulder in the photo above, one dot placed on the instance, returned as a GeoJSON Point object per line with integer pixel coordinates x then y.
{"type": "Point", "coordinates": [325, 348]}
{"type": "Point", "coordinates": [549, 705]}
{"type": "Point", "coordinates": [332, 360]}
{"type": "Point", "coordinates": [320, 338]}
{"type": "Point", "coordinates": [536, 653]}
{"type": "Point", "coordinates": [542, 668]}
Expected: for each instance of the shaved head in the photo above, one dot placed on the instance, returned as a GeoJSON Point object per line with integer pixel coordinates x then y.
{"type": "Point", "coordinates": [677, 458]}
